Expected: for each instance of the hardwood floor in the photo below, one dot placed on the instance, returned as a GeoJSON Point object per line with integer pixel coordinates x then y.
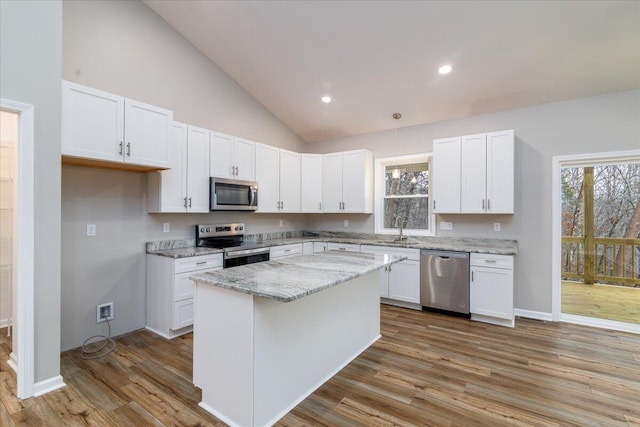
{"type": "Point", "coordinates": [427, 369]}
{"type": "Point", "coordinates": [621, 303]}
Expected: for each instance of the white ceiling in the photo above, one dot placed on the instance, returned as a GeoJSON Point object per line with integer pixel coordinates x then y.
{"type": "Point", "coordinates": [379, 57]}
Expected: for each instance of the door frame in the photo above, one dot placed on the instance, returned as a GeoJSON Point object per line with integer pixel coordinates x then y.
{"type": "Point", "coordinates": [558, 163]}
{"type": "Point", "coordinates": [22, 357]}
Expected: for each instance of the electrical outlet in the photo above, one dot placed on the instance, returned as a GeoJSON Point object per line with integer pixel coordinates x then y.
{"type": "Point", "coordinates": [496, 226]}
{"type": "Point", "coordinates": [444, 225]}
{"type": "Point", "coordinates": [346, 223]}
{"type": "Point", "coordinates": [281, 223]}
{"type": "Point", "coordinates": [91, 230]}
{"type": "Point", "coordinates": [104, 312]}
{"type": "Point", "coordinates": [166, 227]}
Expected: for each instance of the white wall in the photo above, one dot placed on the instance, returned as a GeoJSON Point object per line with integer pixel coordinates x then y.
{"type": "Point", "coordinates": [608, 122]}
{"type": "Point", "coordinates": [30, 64]}
{"type": "Point", "coordinates": [125, 48]}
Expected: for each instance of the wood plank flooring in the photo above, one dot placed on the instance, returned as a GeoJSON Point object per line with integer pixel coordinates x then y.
{"type": "Point", "coordinates": [621, 303]}
{"type": "Point", "coordinates": [427, 369]}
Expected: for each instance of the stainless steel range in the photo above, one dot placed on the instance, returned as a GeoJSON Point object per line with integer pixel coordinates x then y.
{"type": "Point", "coordinates": [230, 238]}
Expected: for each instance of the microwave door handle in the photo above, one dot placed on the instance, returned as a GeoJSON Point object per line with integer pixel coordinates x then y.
{"type": "Point", "coordinates": [250, 196]}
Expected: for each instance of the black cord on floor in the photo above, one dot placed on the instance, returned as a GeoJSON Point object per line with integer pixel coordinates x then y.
{"type": "Point", "coordinates": [99, 352]}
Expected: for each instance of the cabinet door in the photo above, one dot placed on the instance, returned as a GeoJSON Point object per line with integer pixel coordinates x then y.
{"type": "Point", "coordinates": [243, 155]}
{"type": "Point", "coordinates": [182, 314]}
{"type": "Point", "coordinates": [184, 287]}
{"type": "Point", "coordinates": [289, 181]}
{"type": "Point", "coordinates": [354, 182]}
{"type": "Point", "coordinates": [267, 176]}
{"type": "Point", "coordinates": [332, 182]}
{"type": "Point", "coordinates": [500, 171]}
{"type": "Point", "coordinates": [197, 170]}
{"type": "Point", "coordinates": [92, 123]}
{"type": "Point", "coordinates": [167, 189]}
{"type": "Point", "coordinates": [446, 175]}
{"type": "Point", "coordinates": [474, 173]}
{"type": "Point", "coordinates": [404, 281]}
{"type": "Point", "coordinates": [147, 131]}
{"type": "Point", "coordinates": [311, 183]}
{"type": "Point", "coordinates": [491, 292]}
{"type": "Point", "coordinates": [220, 155]}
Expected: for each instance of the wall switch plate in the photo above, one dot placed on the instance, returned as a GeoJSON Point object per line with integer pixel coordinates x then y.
{"type": "Point", "coordinates": [496, 226]}
{"type": "Point", "coordinates": [444, 225]}
{"type": "Point", "coordinates": [281, 223]}
{"type": "Point", "coordinates": [91, 230]}
{"type": "Point", "coordinates": [346, 222]}
{"type": "Point", "coordinates": [104, 312]}
{"type": "Point", "coordinates": [166, 227]}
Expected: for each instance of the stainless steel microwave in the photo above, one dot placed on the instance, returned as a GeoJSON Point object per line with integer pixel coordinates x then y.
{"type": "Point", "coordinates": [233, 195]}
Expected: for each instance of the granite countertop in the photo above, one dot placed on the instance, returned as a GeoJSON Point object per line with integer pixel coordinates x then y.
{"type": "Point", "coordinates": [289, 279]}
{"type": "Point", "coordinates": [186, 248]}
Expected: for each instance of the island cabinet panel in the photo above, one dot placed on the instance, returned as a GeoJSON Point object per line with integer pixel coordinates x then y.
{"type": "Point", "coordinates": [491, 289]}
{"type": "Point", "coordinates": [256, 358]}
{"type": "Point", "coordinates": [170, 292]}
{"type": "Point", "coordinates": [100, 126]}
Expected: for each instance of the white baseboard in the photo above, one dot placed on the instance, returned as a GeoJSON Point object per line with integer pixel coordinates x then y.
{"type": "Point", "coordinates": [4, 323]}
{"type": "Point", "coordinates": [13, 362]}
{"type": "Point", "coordinates": [411, 305]}
{"type": "Point", "coordinates": [633, 328]}
{"type": "Point", "coordinates": [530, 314]}
{"type": "Point", "coordinates": [46, 386]}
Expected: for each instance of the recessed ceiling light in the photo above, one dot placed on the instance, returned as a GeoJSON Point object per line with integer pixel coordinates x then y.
{"type": "Point", "coordinates": [445, 69]}
{"type": "Point", "coordinates": [326, 99]}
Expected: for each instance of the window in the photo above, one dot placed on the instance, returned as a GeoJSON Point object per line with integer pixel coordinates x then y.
{"type": "Point", "coordinates": [402, 195]}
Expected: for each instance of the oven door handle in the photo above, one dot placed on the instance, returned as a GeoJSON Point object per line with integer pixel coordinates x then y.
{"type": "Point", "coordinates": [245, 252]}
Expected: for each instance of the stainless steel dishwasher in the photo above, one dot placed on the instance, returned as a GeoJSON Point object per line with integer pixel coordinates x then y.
{"type": "Point", "coordinates": [444, 280]}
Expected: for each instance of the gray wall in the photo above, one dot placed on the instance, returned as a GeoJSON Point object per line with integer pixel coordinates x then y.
{"type": "Point", "coordinates": [608, 122]}
{"type": "Point", "coordinates": [30, 64]}
{"type": "Point", "coordinates": [125, 48]}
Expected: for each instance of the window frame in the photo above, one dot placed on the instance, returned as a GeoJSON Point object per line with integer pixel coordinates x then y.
{"type": "Point", "coordinates": [380, 165]}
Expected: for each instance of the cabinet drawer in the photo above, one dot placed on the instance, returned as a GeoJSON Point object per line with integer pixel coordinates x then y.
{"type": "Point", "coordinates": [285, 250]}
{"type": "Point", "coordinates": [493, 261]}
{"type": "Point", "coordinates": [182, 314]}
{"type": "Point", "coordinates": [196, 263]}
{"type": "Point", "coordinates": [343, 247]}
{"type": "Point", "coordinates": [413, 254]}
{"type": "Point", "coordinates": [183, 287]}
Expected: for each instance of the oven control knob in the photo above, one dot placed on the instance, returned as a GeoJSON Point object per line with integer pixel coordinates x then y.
{"type": "Point", "coordinates": [208, 229]}
{"type": "Point", "coordinates": [202, 229]}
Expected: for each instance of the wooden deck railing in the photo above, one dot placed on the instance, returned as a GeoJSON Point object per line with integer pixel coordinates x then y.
{"type": "Point", "coordinates": [612, 260]}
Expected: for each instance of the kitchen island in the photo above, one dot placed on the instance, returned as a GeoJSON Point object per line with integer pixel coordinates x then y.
{"type": "Point", "coordinates": [267, 335]}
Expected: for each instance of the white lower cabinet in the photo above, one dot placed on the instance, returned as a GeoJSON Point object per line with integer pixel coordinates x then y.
{"type": "Point", "coordinates": [285, 251]}
{"type": "Point", "coordinates": [400, 282]}
{"type": "Point", "coordinates": [491, 289]}
{"type": "Point", "coordinates": [320, 246]}
{"type": "Point", "coordinates": [170, 291]}
{"type": "Point", "coordinates": [343, 247]}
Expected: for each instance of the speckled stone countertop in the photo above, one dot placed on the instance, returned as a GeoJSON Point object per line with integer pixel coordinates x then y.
{"type": "Point", "coordinates": [288, 279]}
{"type": "Point", "coordinates": [186, 248]}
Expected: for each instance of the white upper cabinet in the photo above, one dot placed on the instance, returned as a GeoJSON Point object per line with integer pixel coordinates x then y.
{"type": "Point", "coordinates": [278, 178]}
{"type": "Point", "coordinates": [197, 169]}
{"type": "Point", "coordinates": [184, 187]}
{"type": "Point", "coordinates": [289, 181]}
{"type": "Point", "coordinates": [500, 171]}
{"type": "Point", "coordinates": [446, 175]}
{"type": "Point", "coordinates": [332, 182]}
{"type": "Point", "coordinates": [347, 182]}
{"type": "Point", "coordinates": [231, 157]}
{"type": "Point", "coordinates": [311, 183]}
{"type": "Point", "coordinates": [474, 173]}
{"type": "Point", "coordinates": [268, 178]}
{"type": "Point", "coordinates": [97, 125]}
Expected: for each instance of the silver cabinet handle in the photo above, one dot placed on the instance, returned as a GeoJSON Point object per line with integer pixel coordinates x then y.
{"type": "Point", "coordinates": [236, 170]}
{"type": "Point", "coordinates": [189, 201]}
{"type": "Point", "coordinates": [434, 205]}
{"type": "Point", "coordinates": [201, 262]}
{"type": "Point", "coordinates": [488, 204]}
{"type": "Point", "coordinates": [491, 261]}
{"type": "Point", "coordinates": [482, 203]}
{"type": "Point", "coordinates": [385, 268]}
{"type": "Point", "coordinates": [129, 149]}
{"type": "Point", "coordinates": [287, 250]}
{"type": "Point", "coordinates": [185, 202]}
{"type": "Point", "coordinates": [472, 276]}
{"type": "Point", "coordinates": [120, 152]}
{"type": "Point", "coordinates": [233, 170]}
{"type": "Point", "coordinates": [319, 206]}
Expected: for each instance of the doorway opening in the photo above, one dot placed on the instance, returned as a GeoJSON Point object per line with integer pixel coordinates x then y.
{"type": "Point", "coordinates": [596, 240]}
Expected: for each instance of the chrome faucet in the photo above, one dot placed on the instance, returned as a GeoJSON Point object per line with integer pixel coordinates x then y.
{"type": "Point", "coordinates": [399, 221]}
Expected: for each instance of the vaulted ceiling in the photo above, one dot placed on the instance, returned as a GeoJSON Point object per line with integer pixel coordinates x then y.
{"type": "Point", "coordinates": [375, 58]}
